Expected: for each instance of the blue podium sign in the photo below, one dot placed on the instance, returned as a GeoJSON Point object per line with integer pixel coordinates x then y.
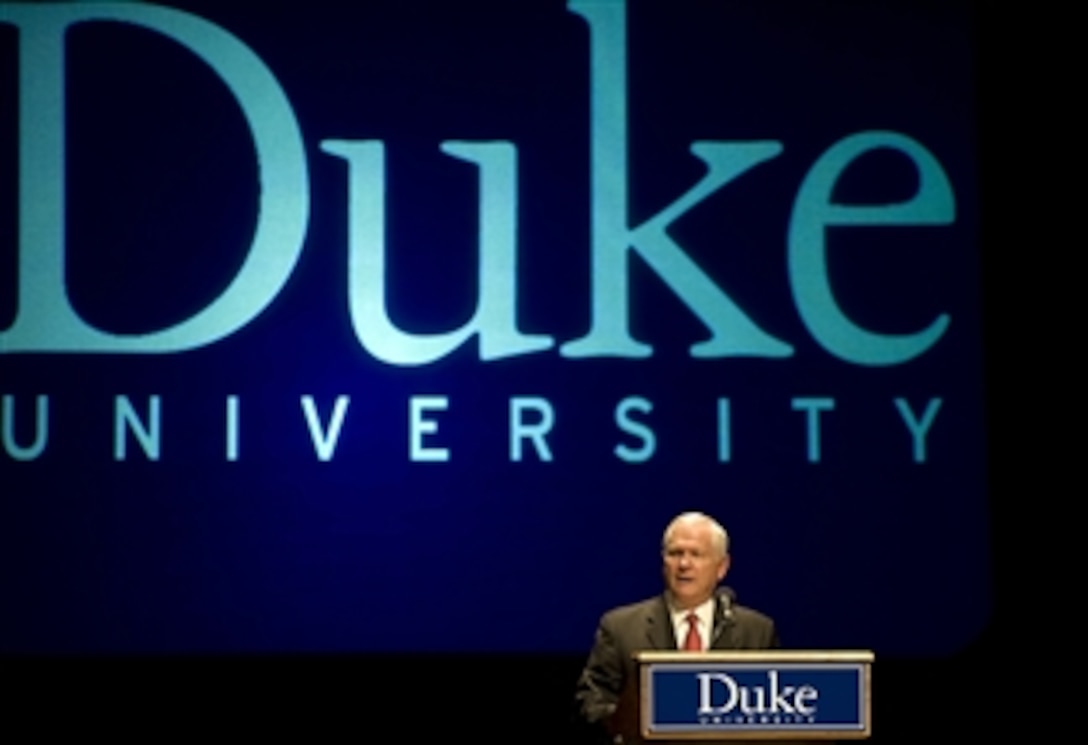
{"type": "Point", "coordinates": [755, 695]}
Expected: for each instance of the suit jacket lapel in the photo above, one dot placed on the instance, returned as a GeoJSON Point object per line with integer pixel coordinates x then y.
{"type": "Point", "coordinates": [659, 632]}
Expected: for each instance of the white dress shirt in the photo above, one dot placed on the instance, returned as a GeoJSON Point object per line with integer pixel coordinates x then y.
{"type": "Point", "coordinates": [705, 615]}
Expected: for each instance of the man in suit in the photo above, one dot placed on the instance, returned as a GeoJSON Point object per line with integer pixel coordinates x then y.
{"type": "Point", "coordinates": [691, 614]}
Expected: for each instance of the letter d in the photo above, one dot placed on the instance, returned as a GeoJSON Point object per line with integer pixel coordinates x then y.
{"type": "Point", "coordinates": [45, 320]}
{"type": "Point", "coordinates": [706, 682]}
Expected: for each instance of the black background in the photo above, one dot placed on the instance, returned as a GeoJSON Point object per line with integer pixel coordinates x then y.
{"type": "Point", "coordinates": [527, 698]}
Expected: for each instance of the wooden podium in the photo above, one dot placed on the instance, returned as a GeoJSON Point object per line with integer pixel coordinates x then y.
{"type": "Point", "coordinates": [768, 696]}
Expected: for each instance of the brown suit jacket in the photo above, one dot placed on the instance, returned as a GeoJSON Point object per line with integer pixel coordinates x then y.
{"type": "Point", "coordinates": [606, 696]}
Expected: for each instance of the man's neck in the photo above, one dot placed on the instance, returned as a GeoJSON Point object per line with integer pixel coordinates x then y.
{"type": "Point", "coordinates": [675, 606]}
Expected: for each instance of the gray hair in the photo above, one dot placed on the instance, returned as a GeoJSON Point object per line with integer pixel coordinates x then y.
{"type": "Point", "coordinates": [719, 539]}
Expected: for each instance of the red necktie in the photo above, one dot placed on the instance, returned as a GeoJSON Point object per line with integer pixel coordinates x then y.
{"type": "Point", "coordinates": [694, 642]}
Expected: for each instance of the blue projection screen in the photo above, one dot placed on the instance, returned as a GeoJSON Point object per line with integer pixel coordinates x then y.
{"type": "Point", "coordinates": [408, 326]}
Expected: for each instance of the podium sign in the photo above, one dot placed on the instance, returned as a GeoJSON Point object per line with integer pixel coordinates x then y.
{"type": "Point", "coordinates": [763, 695]}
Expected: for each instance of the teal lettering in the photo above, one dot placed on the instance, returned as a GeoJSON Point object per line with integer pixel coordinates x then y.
{"type": "Point", "coordinates": [325, 439]}
{"type": "Point", "coordinates": [813, 212]}
{"type": "Point", "coordinates": [41, 429]}
{"type": "Point", "coordinates": [521, 430]}
{"type": "Point", "coordinates": [918, 429]}
{"type": "Point", "coordinates": [732, 333]}
{"type": "Point", "coordinates": [147, 435]}
{"type": "Point", "coordinates": [495, 317]}
{"type": "Point", "coordinates": [812, 408]}
{"type": "Point", "coordinates": [45, 320]}
{"type": "Point", "coordinates": [636, 428]}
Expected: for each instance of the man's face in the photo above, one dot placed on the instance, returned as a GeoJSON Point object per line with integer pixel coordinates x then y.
{"type": "Point", "coordinates": [692, 566]}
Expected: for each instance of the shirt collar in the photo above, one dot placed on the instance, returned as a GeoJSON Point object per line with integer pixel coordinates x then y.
{"type": "Point", "coordinates": [704, 611]}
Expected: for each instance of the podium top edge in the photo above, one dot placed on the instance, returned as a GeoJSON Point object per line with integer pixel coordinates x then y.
{"type": "Point", "coordinates": [761, 655]}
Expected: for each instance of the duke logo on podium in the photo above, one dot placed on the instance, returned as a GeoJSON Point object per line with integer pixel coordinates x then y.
{"type": "Point", "coordinates": [756, 694]}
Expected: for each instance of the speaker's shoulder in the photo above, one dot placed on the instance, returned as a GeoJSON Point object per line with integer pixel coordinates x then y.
{"type": "Point", "coordinates": [633, 612]}
{"type": "Point", "coordinates": [743, 615]}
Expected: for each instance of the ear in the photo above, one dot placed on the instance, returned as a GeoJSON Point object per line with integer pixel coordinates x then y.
{"type": "Point", "coordinates": [723, 567]}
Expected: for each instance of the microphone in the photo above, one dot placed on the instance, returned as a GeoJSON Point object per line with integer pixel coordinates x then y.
{"type": "Point", "coordinates": [726, 596]}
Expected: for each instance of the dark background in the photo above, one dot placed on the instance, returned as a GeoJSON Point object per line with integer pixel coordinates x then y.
{"type": "Point", "coordinates": [533, 689]}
